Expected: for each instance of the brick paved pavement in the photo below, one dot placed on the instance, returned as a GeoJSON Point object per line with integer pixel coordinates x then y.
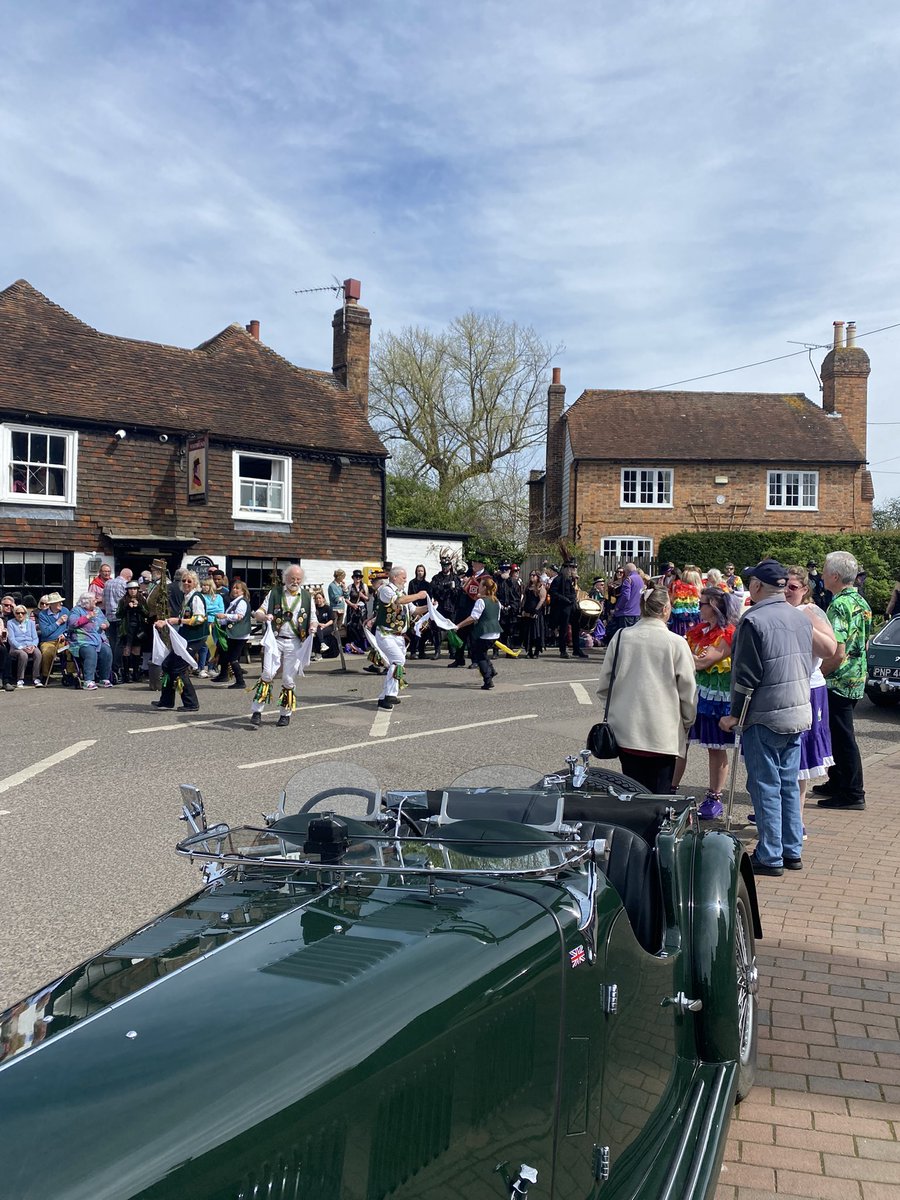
{"type": "Point", "coordinates": [824, 1116]}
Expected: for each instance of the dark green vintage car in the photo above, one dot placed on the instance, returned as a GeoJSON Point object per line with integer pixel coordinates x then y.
{"type": "Point", "coordinates": [501, 988]}
{"type": "Point", "coordinates": [883, 665]}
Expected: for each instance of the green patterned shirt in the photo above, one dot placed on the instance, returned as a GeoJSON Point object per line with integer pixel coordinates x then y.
{"type": "Point", "coordinates": [851, 618]}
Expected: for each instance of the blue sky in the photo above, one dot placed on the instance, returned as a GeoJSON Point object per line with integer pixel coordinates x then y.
{"type": "Point", "coordinates": [666, 189]}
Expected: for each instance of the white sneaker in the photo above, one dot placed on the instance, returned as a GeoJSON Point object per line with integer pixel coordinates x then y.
{"type": "Point", "coordinates": [37, 683]}
{"type": "Point", "coordinates": [20, 683]}
{"type": "Point", "coordinates": [204, 674]}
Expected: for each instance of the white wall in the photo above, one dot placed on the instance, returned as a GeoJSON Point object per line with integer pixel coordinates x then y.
{"type": "Point", "coordinates": [409, 550]}
{"type": "Point", "coordinates": [82, 575]}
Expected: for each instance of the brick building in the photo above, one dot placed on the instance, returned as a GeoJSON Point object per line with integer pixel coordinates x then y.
{"type": "Point", "coordinates": [118, 450]}
{"type": "Point", "coordinates": [626, 468]}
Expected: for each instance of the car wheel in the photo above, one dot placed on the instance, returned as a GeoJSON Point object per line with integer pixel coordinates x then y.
{"type": "Point", "coordinates": [882, 699]}
{"type": "Point", "coordinates": [615, 781]}
{"type": "Point", "coordinates": [747, 992]}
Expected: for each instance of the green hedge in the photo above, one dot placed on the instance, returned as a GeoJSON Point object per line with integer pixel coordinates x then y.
{"type": "Point", "coordinates": [878, 552]}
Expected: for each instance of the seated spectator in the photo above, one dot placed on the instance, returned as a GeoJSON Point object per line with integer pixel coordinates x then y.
{"type": "Point", "coordinates": [88, 641]}
{"type": "Point", "coordinates": [134, 631]}
{"type": "Point", "coordinates": [22, 636]}
{"type": "Point", "coordinates": [51, 626]}
{"type": "Point", "coordinates": [326, 642]}
{"type": "Point", "coordinates": [7, 611]}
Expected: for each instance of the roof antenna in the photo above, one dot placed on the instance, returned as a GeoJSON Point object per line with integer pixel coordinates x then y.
{"type": "Point", "coordinates": [809, 347]}
{"type": "Point", "coordinates": [336, 288]}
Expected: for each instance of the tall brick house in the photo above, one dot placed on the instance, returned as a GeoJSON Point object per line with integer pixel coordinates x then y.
{"type": "Point", "coordinates": [119, 450]}
{"type": "Point", "coordinates": [626, 468]}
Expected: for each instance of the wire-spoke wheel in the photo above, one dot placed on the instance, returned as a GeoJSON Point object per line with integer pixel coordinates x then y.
{"type": "Point", "coordinates": [747, 980]}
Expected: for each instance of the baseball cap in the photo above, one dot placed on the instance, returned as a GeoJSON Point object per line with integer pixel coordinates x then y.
{"type": "Point", "coordinates": [768, 571]}
{"type": "Point", "coordinates": [811, 565]}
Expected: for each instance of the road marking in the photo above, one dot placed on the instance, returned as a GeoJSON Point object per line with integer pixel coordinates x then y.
{"type": "Point", "coordinates": [23, 776]}
{"type": "Point", "coordinates": [400, 737]}
{"type": "Point", "coordinates": [4, 812]}
{"type": "Point", "coordinates": [241, 717]}
{"type": "Point", "coordinates": [381, 724]}
{"type": "Point", "coordinates": [582, 695]}
{"type": "Point", "coordinates": [557, 682]}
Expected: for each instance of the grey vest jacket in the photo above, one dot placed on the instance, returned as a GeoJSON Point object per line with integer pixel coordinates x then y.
{"type": "Point", "coordinates": [776, 640]}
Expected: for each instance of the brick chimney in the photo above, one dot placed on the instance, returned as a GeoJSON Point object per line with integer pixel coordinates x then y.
{"type": "Point", "coordinates": [556, 435]}
{"type": "Point", "coordinates": [253, 329]}
{"type": "Point", "coordinates": [350, 360]}
{"type": "Point", "coordinates": [844, 387]}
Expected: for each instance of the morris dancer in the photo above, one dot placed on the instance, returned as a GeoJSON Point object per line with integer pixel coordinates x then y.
{"type": "Point", "coordinates": [392, 617]}
{"type": "Point", "coordinates": [193, 626]}
{"type": "Point", "coordinates": [291, 613]}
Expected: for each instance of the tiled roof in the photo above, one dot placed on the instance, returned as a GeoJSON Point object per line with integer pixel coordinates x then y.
{"type": "Point", "coordinates": [53, 365]}
{"type": "Point", "coordinates": [725, 426]}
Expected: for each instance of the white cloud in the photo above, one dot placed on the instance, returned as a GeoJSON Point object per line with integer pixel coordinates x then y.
{"type": "Point", "coordinates": [668, 190]}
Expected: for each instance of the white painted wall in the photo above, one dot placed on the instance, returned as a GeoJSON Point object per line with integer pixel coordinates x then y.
{"type": "Point", "coordinates": [81, 573]}
{"type": "Point", "coordinates": [410, 550]}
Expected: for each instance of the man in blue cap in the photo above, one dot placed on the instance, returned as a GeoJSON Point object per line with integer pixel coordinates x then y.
{"type": "Point", "coordinates": [771, 662]}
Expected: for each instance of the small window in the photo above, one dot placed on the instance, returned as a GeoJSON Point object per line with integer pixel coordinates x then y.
{"type": "Point", "coordinates": [37, 466]}
{"type": "Point", "coordinates": [793, 489]}
{"type": "Point", "coordinates": [627, 549]}
{"type": "Point", "coordinates": [646, 487]}
{"type": "Point", "coordinates": [262, 487]}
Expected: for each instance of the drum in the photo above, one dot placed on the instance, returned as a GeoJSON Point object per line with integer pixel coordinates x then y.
{"type": "Point", "coordinates": [588, 612]}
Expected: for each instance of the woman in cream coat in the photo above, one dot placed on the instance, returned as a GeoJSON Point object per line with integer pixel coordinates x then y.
{"type": "Point", "coordinates": [654, 696]}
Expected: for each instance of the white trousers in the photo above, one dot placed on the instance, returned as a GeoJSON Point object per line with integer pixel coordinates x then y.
{"type": "Point", "coordinates": [289, 648]}
{"type": "Point", "coordinates": [393, 648]}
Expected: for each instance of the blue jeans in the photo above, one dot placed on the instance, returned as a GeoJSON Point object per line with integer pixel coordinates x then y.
{"type": "Point", "coordinates": [773, 764]}
{"type": "Point", "coordinates": [89, 656]}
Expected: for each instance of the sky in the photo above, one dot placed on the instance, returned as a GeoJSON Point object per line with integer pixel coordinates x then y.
{"type": "Point", "coordinates": [665, 190]}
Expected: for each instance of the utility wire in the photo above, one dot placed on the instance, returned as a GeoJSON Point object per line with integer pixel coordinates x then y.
{"type": "Point", "coordinates": [762, 362]}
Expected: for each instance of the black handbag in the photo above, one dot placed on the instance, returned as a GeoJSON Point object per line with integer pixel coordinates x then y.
{"type": "Point", "coordinates": [601, 740]}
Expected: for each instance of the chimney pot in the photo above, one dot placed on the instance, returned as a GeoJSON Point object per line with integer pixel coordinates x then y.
{"type": "Point", "coordinates": [556, 374]}
{"type": "Point", "coordinates": [851, 334]}
{"type": "Point", "coordinates": [352, 290]}
{"type": "Point", "coordinates": [253, 329]}
{"type": "Point", "coordinates": [838, 335]}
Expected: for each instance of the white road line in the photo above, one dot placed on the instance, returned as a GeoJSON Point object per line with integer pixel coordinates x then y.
{"type": "Point", "coordinates": [381, 724]}
{"type": "Point", "coordinates": [557, 682]}
{"type": "Point", "coordinates": [400, 737]}
{"type": "Point", "coordinates": [4, 812]}
{"type": "Point", "coordinates": [23, 776]}
{"type": "Point", "coordinates": [582, 695]}
{"type": "Point", "coordinates": [242, 717]}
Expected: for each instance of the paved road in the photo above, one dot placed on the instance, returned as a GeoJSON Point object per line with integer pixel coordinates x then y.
{"type": "Point", "coordinates": [87, 843]}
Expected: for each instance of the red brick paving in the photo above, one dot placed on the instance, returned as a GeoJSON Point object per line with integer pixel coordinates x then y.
{"type": "Point", "coordinates": [824, 1116]}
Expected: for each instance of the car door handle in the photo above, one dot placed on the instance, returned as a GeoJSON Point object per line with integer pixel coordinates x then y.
{"type": "Point", "coordinates": [682, 1003]}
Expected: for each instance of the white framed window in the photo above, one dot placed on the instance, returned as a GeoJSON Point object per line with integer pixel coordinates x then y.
{"type": "Point", "coordinates": [38, 465]}
{"type": "Point", "coordinates": [646, 487]}
{"type": "Point", "coordinates": [626, 547]}
{"type": "Point", "coordinates": [793, 489]}
{"type": "Point", "coordinates": [262, 487]}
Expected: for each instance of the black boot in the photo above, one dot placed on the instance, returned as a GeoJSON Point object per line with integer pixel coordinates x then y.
{"type": "Point", "coordinates": [238, 675]}
{"type": "Point", "coordinates": [126, 672]}
{"type": "Point", "coordinates": [166, 696]}
{"type": "Point", "coordinates": [189, 701]}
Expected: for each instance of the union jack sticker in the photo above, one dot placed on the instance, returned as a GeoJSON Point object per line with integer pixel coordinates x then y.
{"type": "Point", "coordinates": [576, 956]}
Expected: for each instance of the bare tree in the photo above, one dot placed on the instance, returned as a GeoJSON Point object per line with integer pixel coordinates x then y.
{"type": "Point", "coordinates": [462, 400]}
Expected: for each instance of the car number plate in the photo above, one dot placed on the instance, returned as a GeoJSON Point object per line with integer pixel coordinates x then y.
{"type": "Point", "coordinates": [886, 672]}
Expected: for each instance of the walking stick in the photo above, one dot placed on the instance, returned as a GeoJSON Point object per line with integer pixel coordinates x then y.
{"type": "Point", "coordinates": [738, 730]}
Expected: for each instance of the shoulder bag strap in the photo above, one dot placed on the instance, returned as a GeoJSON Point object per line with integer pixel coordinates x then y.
{"type": "Point", "coordinates": [612, 678]}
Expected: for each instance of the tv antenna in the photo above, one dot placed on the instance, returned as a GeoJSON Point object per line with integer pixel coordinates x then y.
{"type": "Point", "coordinates": [809, 347]}
{"type": "Point", "coordinates": [335, 288]}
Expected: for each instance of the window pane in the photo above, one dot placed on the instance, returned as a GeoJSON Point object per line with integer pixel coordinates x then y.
{"type": "Point", "coordinates": [246, 494]}
{"type": "Point", "coordinates": [58, 451]}
{"type": "Point", "coordinates": [38, 449]}
{"type": "Point", "coordinates": [20, 447]}
{"type": "Point", "coordinates": [629, 487]}
{"type": "Point", "coordinates": [255, 468]}
{"type": "Point", "coordinates": [809, 489]}
{"type": "Point", "coordinates": [37, 481]}
{"type": "Point", "coordinates": [56, 481]}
